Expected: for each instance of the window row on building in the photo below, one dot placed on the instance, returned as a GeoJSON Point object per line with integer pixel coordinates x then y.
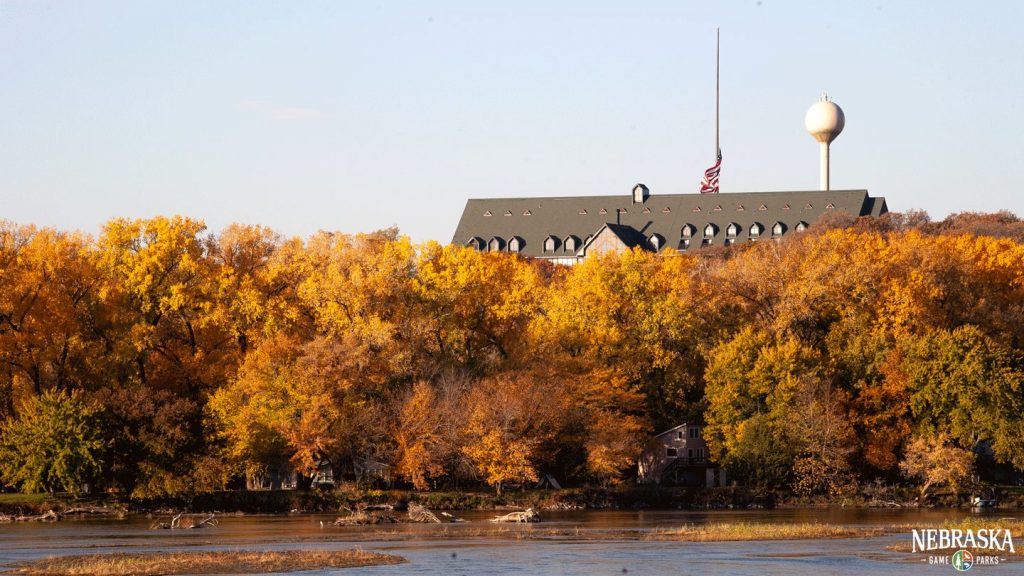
{"type": "Point", "coordinates": [569, 245]}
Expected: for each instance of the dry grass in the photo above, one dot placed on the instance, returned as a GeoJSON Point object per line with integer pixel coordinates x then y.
{"type": "Point", "coordinates": [1014, 525]}
{"type": "Point", "coordinates": [762, 531]}
{"type": "Point", "coordinates": [203, 562]}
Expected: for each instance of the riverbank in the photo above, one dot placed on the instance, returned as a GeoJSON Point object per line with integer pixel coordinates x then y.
{"type": "Point", "coordinates": [203, 563]}
{"type": "Point", "coordinates": [349, 497]}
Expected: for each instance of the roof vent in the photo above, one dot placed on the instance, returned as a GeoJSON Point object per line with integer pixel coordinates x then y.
{"type": "Point", "coordinates": [640, 194]}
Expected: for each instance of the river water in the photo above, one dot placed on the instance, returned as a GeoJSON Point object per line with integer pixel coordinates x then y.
{"type": "Point", "coordinates": [569, 543]}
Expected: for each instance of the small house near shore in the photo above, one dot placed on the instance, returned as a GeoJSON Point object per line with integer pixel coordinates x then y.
{"type": "Point", "coordinates": [679, 457]}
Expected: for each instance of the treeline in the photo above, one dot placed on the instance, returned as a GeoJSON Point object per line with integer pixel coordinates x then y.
{"type": "Point", "coordinates": [158, 359]}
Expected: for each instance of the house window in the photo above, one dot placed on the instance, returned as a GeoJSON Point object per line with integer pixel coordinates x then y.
{"type": "Point", "coordinates": [670, 452]}
{"type": "Point", "coordinates": [689, 453]}
{"type": "Point", "coordinates": [755, 230]}
{"type": "Point", "coordinates": [694, 432]}
{"type": "Point", "coordinates": [700, 454]}
{"type": "Point", "coordinates": [571, 244]}
{"type": "Point", "coordinates": [732, 230]}
{"type": "Point", "coordinates": [496, 244]}
{"type": "Point", "coordinates": [687, 231]}
{"type": "Point", "coordinates": [475, 243]}
{"type": "Point", "coordinates": [550, 244]}
{"type": "Point", "coordinates": [709, 231]}
{"type": "Point", "coordinates": [515, 244]}
{"type": "Point", "coordinates": [801, 227]}
{"type": "Point", "coordinates": [656, 241]}
{"type": "Point", "coordinates": [679, 435]}
{"type": "Point", "coordinates": [778, 229]}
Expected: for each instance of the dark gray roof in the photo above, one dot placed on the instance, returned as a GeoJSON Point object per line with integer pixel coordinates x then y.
{"type": "Point", "coordinates": [534, 219]}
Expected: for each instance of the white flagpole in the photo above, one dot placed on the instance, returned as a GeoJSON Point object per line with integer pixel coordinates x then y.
{"type": "Point", "coordinates": [718, 149]}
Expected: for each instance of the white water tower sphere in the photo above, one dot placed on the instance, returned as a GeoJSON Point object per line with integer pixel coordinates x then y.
{"type": "Point", "coordinates": [824, 121]}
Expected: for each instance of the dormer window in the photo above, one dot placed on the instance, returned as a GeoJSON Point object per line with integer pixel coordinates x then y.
{"type": "Point", "coordinates": [732, 230]}
{"type": "Point", "coordinates": [778, 229]}
{"type": "Point", "coordinates": [687, 231]}
{"type": "Point", "coordinates": [475, 243]}
{"type": "Point", "coordinates": [756, 229]}
{"type": "Point", "coordinates": [515, 244]}
{"type": "Point", "coordinates": [495, 244]}
{"type": "Point", "coordinates": [550, 244]}
{"type": "Point", "coordinates": [801, 226]}
{"type": "Point", "coordinates": [656, 241]}
{"type": "Point", "coordinates": [571, 243]}
{"type": "Point", "coordinates": [709, 231]}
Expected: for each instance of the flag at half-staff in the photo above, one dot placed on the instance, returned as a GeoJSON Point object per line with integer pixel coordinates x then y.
{"type": "Point", "coordinates": [709, 183]}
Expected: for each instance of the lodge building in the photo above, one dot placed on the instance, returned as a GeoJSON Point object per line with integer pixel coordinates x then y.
{"type": "Point", "coordinates": [567, 229]}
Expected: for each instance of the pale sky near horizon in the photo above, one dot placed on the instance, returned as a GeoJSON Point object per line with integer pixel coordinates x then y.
{"type": "Point", "coordinates": [355, 116]}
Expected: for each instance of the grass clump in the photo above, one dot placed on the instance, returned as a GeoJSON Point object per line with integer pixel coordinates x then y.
{"type": "Point", "coordinates": [239, 562]}
{"type": "Point", "coordinates": [762, 531]}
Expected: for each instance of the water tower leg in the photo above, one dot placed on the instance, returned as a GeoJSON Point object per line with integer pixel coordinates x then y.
{"type": "Point", "coordinates": [824, 166]}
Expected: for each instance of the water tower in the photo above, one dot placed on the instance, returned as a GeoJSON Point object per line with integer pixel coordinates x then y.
{"type": "Point", "coordinates": [824, 121]}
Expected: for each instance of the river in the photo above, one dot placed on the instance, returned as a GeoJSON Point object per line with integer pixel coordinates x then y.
{"type": "Point", "coordinates": [569, 543]}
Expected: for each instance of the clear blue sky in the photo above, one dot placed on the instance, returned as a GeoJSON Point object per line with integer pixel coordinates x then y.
{"type": "Point", "coordinates": [355, 116]}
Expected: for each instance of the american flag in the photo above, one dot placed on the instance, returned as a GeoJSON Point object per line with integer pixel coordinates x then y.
{"type": "Point", "coordinates": [709, 183]}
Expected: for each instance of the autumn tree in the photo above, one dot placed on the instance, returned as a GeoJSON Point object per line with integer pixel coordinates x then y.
{"type": "Point", "coordinates": [753, 388]}
{"type": "Point", "coordinates": [55, 443]}
{"type": "Point", "coordinates": [934, 460]}
{"type": "Point", "coordinates": [476, 305]}
{"type": "Point", "coordinates": [964, 384]}
{"type": "Point", "coordinates": [630, 315]}
{"type": "Point", "coordinates": [511, 417]}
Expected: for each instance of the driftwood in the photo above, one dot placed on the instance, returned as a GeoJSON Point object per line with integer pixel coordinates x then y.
{"type": "Point", "coordinates": [418, 513]}
{"type": "Point", "coordinates": [97, 510]}
{"type": "Point", "coordinates": [48, 516]}
{"type": "Point", "coordinates": [186, 522]}
{"type": "Point", "coordinates": [376, 508]}
{"type": "Point", "coordinates": [527, 515]}
{"type": "Point", "coordinates": [361, 518]}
